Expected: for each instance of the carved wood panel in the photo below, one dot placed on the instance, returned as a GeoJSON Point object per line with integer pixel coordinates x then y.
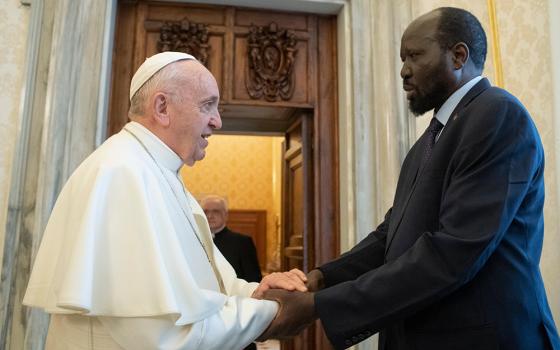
{"type": "Point", "coordinates": [273, 58]}
{"type": "Point", "coordinates": [258, 58]}
{"type": "Point", "coordinates": [185, 36]}
{"type": "Point", "coordinates": [271, 52]}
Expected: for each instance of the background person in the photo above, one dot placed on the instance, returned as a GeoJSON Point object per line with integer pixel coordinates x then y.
{"type": "Point", "coordinates": [238, 249]}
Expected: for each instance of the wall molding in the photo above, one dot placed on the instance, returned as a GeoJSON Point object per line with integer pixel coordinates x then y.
{"type": "Point", "coordinates": [496, 49]}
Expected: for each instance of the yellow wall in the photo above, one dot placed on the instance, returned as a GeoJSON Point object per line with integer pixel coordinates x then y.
{"type": "Point", "coordinates": [246, 171]}
{"type": "Point", "coordinates": [526, 58]}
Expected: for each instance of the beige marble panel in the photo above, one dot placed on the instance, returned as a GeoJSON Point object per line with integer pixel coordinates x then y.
{"type": "Point", "coordinates": [14, 22]}
{"type": "Point", "coordinates": [526, 57]}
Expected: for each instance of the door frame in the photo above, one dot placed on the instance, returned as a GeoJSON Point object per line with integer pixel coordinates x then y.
{"type": "Point", "coordinates": [324, 101]}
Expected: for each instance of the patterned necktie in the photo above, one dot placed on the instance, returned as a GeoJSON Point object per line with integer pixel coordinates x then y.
{"type": "Point", "coordinates": [430, 139]}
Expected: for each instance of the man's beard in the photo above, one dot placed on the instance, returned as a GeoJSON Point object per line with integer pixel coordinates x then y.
{"type": "Point", "coordinates": [434, 93]}
{"type": "Point", "coordinates": [435, 96]}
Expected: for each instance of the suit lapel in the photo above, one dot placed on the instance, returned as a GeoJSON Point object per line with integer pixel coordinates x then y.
{"type": "Point", "coordinates": [417, 168]}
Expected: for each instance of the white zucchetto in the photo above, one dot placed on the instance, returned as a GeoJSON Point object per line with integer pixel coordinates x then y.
{"type": "Point", "coordinates": [154, 64]}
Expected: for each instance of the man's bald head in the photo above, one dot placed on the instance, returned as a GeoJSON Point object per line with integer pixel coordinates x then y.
{"type": "Point", "coordinates": [216, 210]}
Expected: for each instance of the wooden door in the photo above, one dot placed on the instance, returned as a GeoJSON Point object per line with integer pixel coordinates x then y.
{"type": "Point", "coordinates": [298, 211]}
{"type": "Point", "coordinates": [225, 39]}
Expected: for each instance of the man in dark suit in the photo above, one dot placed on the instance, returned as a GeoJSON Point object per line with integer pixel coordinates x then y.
{"type": "Point", "coordinates": [238, 249]}
{"type": "Point", "coordinates": [455, 263]}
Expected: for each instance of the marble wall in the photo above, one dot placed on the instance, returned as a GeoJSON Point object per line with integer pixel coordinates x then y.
{"type": "Point", "coordinates": [14, 24]}
{"type": "Point", "coordinates": [67, 52]}
{"type": "Point", "coordinates": [527, 61]}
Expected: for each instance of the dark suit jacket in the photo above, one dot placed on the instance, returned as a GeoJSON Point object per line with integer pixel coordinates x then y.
{"type": "Point", "coordinates": [239, 250]}
{"type": "Point", "coordinates": [455, 263]}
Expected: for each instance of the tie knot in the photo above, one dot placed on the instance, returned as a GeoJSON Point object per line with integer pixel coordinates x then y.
{"type": "Point", "coordinates": [435, 126]}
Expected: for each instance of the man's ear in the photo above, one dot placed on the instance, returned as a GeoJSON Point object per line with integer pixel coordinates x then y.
{"type": "Point", "coordinates": [160, 105]}
{"type": "Point", "coordinates": [460, 52]}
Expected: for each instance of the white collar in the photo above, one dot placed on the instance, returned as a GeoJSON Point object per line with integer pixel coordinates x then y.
{"type": "Point", "coordinates": [162, 154]}
{"type": "Point", "coordinates": [449, 105]}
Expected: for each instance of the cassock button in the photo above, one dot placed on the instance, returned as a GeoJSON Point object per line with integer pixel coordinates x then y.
{"type": "Point", "coordinates": [348, 342]}
{"type": "Point", "coordinates": [368, 334]}
{"type": "Point", "coordinates": [355, 339]}
{"type": "Point", "coordinates": [361, 336]}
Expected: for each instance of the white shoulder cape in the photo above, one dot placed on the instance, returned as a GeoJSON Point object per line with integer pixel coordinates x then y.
{"type": "Point", "coordinates": [117, 244]}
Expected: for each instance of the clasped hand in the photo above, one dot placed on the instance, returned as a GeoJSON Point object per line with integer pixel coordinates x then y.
{"type": "Point", "coordinates": [294, 279]}
{"type": "Point", "coordinates": [297, 308]}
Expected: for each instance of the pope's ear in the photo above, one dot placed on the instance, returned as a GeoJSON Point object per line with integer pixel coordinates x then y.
{"type": "Point", "coordinates": [160, 106]}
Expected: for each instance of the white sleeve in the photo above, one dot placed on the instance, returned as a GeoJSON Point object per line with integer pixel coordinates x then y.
{"type": "Point", "coordinates": [238, 323]}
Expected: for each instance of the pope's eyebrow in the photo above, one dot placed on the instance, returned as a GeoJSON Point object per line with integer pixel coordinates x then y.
{"type": "Point", "coordinates": [211, 99]}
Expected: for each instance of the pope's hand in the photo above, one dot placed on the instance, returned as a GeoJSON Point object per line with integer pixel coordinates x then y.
{"type": "Point", "coordinates": [291, 280]}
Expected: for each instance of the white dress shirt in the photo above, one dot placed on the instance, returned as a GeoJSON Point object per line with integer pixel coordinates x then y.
{"type": "Point", "coordinates": [449, 105]}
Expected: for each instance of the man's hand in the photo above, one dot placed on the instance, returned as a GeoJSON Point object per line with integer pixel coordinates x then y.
{"type": "Point", "coordinates": [296, 312]}
{"type": "Point", "coordinates": [315, 280]}
{"type": "Point", "coordinates": [292, 280]}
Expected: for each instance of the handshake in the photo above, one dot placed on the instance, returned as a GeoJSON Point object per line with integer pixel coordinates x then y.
{"type": "Point", "coordinates": [294, 291]}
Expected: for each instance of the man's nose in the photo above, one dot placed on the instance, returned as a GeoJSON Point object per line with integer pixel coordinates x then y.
{"type": "Point", "coordinates": [405, 71]}
{"type": "Point", "coordinates": [216, 121]}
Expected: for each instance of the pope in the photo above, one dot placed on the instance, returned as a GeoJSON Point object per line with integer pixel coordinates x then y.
{"type": "Point", "coordinates": [127, 259]}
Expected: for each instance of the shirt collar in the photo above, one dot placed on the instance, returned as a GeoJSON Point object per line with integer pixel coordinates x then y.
{"type": "Point", "coordinates": [449, 105]}
{"type": "Point", "coordinates": [219, 231]}
{"type": "Point", "coordinates": [159, 150]}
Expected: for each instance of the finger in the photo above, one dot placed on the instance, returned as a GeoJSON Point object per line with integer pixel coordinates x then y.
{"type": "Point", "coordinates": [284, 283]}
{"type": "Point", "coordinates": [300, 274]}
{"type": "Point", "coordinates": [296, 281]}
{"type": "Point", "coordinates": [258, 293]}
{"type": "Point", "coordinates": [262, 287]}
{"type": "Point", "coordinates": [279, 280]}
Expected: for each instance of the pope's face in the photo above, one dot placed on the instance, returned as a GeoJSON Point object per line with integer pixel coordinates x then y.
{"type": "Point", "coordinates": [194, 114]}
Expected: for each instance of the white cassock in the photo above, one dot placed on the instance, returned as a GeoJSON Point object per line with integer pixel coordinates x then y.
{"type": "Point", "coordinates": [127, 259]}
